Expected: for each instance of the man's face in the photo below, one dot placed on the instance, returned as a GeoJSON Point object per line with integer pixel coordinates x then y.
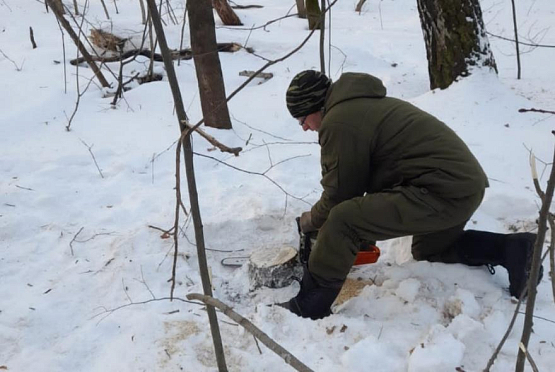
{"type": "Point", "coordinates": [311, 122]}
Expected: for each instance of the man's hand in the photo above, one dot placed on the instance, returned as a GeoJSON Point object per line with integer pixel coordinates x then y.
{"type": "Point", "coordinates": [306, 223]}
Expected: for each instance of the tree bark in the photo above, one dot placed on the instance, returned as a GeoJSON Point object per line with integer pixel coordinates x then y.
{"type": "Point", "coordinates": [207, 64]}
{"type": "Point", "coordinates": [301, 9]}
{"type": "Point", "coordinates": [226, 13]}
{"type": "Point", "coordinates": [455, 39]}
{"type": "Point", "coordinates": [313, 14]}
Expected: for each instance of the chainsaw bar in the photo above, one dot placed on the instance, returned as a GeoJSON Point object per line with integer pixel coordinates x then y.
{"type": "Point", "coordinates": [234, 261]}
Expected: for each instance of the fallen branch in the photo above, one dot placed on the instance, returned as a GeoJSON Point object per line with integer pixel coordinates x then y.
{"type": "Point", "coordinates": [185, 54]}
{"type": "Point", "coordinates": [536, 110]}
{"type": "Point", "coordinates": [265, 76]}
{"type": "Point", "coordinates": [254, 330]}
{"type": "Point", "coordinates": [65, 24]}
{"type": "Point", "coordinates": [247, 6]}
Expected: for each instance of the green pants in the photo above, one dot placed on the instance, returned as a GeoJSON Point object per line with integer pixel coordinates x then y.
{"type": "Point", "coordinates": [436, 223]}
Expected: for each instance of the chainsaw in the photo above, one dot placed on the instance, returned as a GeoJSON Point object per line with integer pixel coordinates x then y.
{"type": "Point", "coordinates": [368, 253]}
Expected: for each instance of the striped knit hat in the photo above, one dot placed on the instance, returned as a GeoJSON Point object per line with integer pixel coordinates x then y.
{"type": "Point", "coordinates": [307, 93]}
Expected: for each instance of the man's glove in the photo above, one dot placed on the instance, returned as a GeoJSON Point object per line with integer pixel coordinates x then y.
{"type": "Point", "coordinates": [306, 223]}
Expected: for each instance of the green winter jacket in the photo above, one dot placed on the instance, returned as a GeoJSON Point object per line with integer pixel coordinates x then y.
{"type": "Point", "coordinates": [371, 143]}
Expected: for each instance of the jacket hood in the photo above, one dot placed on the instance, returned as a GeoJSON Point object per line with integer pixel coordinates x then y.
{"type": "Point", "coordinates": [353, 85]}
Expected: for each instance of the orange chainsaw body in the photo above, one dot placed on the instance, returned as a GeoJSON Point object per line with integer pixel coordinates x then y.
{"type": "Point", "coordinates": [368, 255]}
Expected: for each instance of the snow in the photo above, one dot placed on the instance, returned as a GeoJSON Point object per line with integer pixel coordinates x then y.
{"type": "Point", "coordinates": [80, 268]}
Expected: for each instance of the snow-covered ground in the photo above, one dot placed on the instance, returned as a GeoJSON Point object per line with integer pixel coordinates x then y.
{"type": "Point", "coordinates": [74, 246]}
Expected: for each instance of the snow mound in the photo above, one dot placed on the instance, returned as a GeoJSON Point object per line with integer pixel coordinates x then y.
{"type": "Point", "coordinates": [462, 302]}
{"type": "Point", "coordinates": [440, 351]}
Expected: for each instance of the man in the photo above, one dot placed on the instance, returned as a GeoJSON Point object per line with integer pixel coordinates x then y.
{"type": "Point", "coordinates": [389, 170]}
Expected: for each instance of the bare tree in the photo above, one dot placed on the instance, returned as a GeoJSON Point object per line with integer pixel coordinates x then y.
{"type": "Point", "coordinates": [191, 182]}
{"type": "Point", "coordinates": [546, 197]}
{"type": "Point", "coordinates": [207, 64]}
{"type": "Point", "coordinates": [226, 13]}
{"type": "Point", "coordinates": [455, 39]}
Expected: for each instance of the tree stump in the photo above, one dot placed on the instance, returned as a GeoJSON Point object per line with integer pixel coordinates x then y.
{"type": "Point", "coordinates": [274, 267]}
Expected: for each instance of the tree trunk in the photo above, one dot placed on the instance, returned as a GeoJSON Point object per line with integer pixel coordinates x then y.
{"type": "Point", "coordinates": [226, 13]}
{"type": "Point", "coordinates": [313, 13]}
{"type": "Point", "coordinates": [301, 10]}
{"type": "Point", "coordinates": [207, 64]}
{"type": "Point", "coordinates": [455, 39]}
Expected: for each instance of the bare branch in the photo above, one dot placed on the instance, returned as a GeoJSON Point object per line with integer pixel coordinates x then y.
{"type": "Point", "coordinates": [255, 331]}
{"type": "Point", "coordinates": [257, 174]}
{"type": "Point", "coordinates": [536, 264]}
{"type": "Point", "coordinates": [536, 110]}
{"type": "Point", "coordinates": [529, 357]}
{"type": "Point", "coordinates": [18, 68]}
{"type": "Point", "coordinates": [94, 158]}
{"type": "Point", "coordinates": [75, 237]}
{"type": "Point", "coordinates": [520, 42]}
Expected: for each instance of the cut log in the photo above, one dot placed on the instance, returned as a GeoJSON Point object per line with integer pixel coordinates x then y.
{"type": "Point", "coordinates": [274, 267]}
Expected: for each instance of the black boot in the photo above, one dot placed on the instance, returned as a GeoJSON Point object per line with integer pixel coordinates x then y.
{"type": "Point", "coordinates": [512, 251]}
{"type": "Point", "coordinates": [313, 301]}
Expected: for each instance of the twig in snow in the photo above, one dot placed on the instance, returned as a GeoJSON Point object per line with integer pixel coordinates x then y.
{"type": "Point", "coordinates": [32, 37]}
{"type": "Point", "coordinates": [4, 2]}
{"type": "Point", "coordinates": [125, 289]}
{"type": "Point", "coordinates": [18, 68]}
{"type": "Point", "coordinates": [92, 154]}
{"type": "Point", "coordinates": [143, 281]}
{"type": "Point", "coordinates": [166, 233]}
{"type": "Point", "coordinates": [537, 110]}
{"type": "Point", "coordinates": [257, 346]}
{"type": "Point", "coordinates": [24, 188]}
{"type": "Point", "coordinates": [94, 236]}
{"type": "Point", "coordinates": [75, 237]}
{"type": "Point", "coordinates": [255, 331]}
